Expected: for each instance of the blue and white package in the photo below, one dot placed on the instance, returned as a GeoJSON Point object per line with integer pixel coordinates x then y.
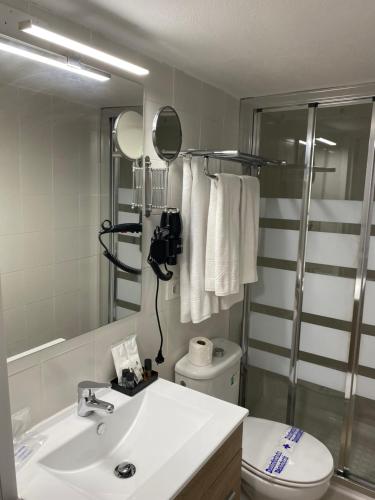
{"type": "Point", "coordinates": [282, 454]}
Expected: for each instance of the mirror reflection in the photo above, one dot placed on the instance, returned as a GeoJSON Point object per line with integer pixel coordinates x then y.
{"type": "Point", "coordinates": [56, 185]}
{"type": "Point", "coordinates": [128, 134]}
{"type": "Point", "coordinates": [167, 133]}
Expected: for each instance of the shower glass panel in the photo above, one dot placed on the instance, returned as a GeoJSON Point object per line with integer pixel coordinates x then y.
{"type": "Point", "coordinates": [341, 144]}
{"type": "Point", "coordinates": [282, 137]}
{"type": "Point", "coordinates": [361, 453]}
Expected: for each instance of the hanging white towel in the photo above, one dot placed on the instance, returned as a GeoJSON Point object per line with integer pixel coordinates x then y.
{"type": "Point", "coordinates": [248, 238]}
{"type": "Point", "coordinates": [223, 254]}
{"type": "Point", "coordinates": [211, 238]}
{"type": "Point", "coordinates": [185, 314]}
{"type": "Point", "coordinates": [203, 303]}
{"type": "Point", "coordinates": [249, 221]}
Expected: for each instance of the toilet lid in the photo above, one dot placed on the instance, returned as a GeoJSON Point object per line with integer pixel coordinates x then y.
{"type": "Point", "coordinates": [285, 453]}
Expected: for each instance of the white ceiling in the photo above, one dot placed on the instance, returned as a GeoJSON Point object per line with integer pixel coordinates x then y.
{"type": "Point", "coordinates": [247, 47]}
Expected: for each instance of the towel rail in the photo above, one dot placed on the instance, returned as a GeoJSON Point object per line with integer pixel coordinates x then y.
{"type": "Point", "coordinates": [246, 160]}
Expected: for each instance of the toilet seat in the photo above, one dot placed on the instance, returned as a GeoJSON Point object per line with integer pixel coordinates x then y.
{"type": "Point", "coordinates": [246, 468]}
{"type": "Point", "coordinates": [285, 455]}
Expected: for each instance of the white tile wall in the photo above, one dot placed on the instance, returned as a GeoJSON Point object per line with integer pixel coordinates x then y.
{"type": "Point", "coordinates": [209, 118]}
{"type": "Point", "coordinates": [44, 210]}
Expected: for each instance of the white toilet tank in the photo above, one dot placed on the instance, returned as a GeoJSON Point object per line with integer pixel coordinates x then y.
{"type": "Point", "coordinates": [220, 379]}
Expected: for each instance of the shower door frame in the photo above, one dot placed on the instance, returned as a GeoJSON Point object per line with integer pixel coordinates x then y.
{"type": "Point", "coordinates": [250, 119]}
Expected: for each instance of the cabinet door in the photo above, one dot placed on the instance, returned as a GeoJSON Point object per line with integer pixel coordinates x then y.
{"type": "Point", "coordinates": [228, 484]}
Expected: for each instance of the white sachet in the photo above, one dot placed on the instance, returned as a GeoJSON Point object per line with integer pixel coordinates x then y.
{"type": "Point", "coordinates": [125, 355]}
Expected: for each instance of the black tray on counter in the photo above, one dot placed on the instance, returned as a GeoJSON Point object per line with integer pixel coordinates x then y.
{"type": "Point", "coordinates": [138, 388]}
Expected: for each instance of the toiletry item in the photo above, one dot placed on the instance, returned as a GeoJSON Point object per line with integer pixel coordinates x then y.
{"type": "Point", "coordinates": [129, 382]}
{"type": "Point", "coordinates": [200, 351]}
{"type": "Point", "coordinates": [147, 369]}
{"type": "Point", "coordinates": [125, 355]}
{"type": "Point", "coordinates": [122, 381]}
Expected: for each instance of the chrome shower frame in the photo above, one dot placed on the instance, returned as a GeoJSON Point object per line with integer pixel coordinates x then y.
{"type": "Point", "coordinates": [250, 119]}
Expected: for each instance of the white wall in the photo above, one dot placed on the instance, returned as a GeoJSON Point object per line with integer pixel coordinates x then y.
{"type": "Point", "coordinates": [47, 381]}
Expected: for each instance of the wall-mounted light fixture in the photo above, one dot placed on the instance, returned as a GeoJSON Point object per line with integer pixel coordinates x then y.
{"type": "Point", "coordinates": [13, 46]}
{"type": "Point", "coordinates": [81, 48]}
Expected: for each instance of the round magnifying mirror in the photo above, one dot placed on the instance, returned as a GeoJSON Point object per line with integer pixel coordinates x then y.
{"type": "Point", "coordinates": [128, 134]}
{"type": "Point", "coordinates": [167, 133]}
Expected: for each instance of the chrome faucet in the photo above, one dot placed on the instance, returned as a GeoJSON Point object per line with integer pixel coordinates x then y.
{"type": "Point", "coordinates": [88, 402]}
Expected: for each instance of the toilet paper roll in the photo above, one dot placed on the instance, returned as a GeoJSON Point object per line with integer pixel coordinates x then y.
{"type": "Point", "coordinates": [200, 351]}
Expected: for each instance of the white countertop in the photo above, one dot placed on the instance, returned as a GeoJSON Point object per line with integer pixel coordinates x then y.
{"type": "Point", "coordinates": [36, 482]}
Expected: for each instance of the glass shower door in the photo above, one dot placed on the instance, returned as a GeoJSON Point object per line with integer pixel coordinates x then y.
{"type": "Point", "coordinates": [361, 441]}
{"type": "Point", "coordinates": [282, 135]}
{"type": "Point", "coordinates": [340, 157]}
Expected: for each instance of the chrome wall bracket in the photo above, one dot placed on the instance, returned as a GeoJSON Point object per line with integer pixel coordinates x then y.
{"type": "Point", "coordinates": [155, 187]}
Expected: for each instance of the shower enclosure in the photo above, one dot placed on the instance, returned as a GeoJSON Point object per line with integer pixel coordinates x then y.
{"type": "Point", "coordinates": [309, 322]}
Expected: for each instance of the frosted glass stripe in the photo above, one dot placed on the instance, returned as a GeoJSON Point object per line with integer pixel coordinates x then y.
{"type": "Point", "coordinates": [326, 342]}
{"type": "Point", "coordinates": [125, 196]}
{"type": "Point", "coordinates": [366, 387]}
{"type": "Point", "coordinates": [371, 255]}
{"type": "Point", "coordinates": [278, 244]}
{"type": "Point", "coordinates": [268, 361]}
{"type": "Point", "coordinates": [320, 210]}
{"type": "Point", "coordinates": [367, 351]}
{"type": "Point", "coordinates": [129, 291]}
{"type": "Point", "coordinates": [329, 296]}
{"type": "Point", "coordinates": [280, 208]}
{"type": "Point", "coordinates": [368, 308]}
{"type": "Point", "coordinates": [275, 287]}
{"type": "Point", "coordinates": [128, 217]}
{"type": "Point", "coordinates": [130, 254]}
{"type": "Point", "coordinates": [315, 339]}
{"type": "Point", "coordinates": [321, 247]}
{"type": "Point", "coordinates": [320, 375]}
{"type": "Point", "coordinates": [332, 249]}
{"type": "Point", "coordinates": [309, 372]}
{"type": "Point", "coordinates": [276, 331]}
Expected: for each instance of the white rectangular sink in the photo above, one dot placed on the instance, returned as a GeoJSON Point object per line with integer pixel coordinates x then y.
{"type": "Point", "coordinates": [166, 431]}
{"type": "Point", "coordinates": [139, 432]}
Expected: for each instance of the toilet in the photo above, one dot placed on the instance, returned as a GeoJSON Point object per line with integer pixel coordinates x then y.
{"type": "Point", "coordinates": [279, 462]}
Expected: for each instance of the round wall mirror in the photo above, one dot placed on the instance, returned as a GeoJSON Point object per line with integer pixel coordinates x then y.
{"type": "Point", "coordinates": [128, 134]}
{"type": "Point", "coordinates": [167, 133]}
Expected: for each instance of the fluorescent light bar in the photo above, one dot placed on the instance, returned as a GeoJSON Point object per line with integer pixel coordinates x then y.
{"type": "Point", "coordinates": [13, 46]}
{"type": "Point", "coordinates": [302, 142]}
{"type": "Point", "coordinates": [326, 141]}
{"type": "Point", "coordinates": [81, 48]}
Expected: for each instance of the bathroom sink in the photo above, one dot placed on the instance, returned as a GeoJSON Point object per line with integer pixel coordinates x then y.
{"type": "Point", "coordinates": [141, 432]}
{"type": "Point", "coordinates": [167, 432]}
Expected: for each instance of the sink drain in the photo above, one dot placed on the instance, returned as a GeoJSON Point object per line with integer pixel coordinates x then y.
{"type": "Point", "coordinates": [125, 470]}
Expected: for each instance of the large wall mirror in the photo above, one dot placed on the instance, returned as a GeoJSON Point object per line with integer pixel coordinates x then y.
{"type": "Point", "coordinates": [62, 173]}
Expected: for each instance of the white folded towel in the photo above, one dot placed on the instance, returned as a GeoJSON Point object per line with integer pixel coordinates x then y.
{"type": "Point", "coordinates": [210, 276]}
{"type": "Point", "coordinates": [249, 220]}
{"type": "Point", "coordinates": [203, 303]}
{"type": "Point", "coordinates": [223, 247]}
{"type": "Point", "coordinates": [248, 224]}
{"type": "Point", "coordinates": [185, 314]}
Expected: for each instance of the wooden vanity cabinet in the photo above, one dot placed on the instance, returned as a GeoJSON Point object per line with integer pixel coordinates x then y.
{"type": "Point", "coordinates": [220, 477]}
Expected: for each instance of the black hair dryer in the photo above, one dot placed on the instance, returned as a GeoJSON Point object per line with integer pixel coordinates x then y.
{"type": "Point", "coordinates": [107, 228]}
{"type": "Point", "coordinates": [166, 243]}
